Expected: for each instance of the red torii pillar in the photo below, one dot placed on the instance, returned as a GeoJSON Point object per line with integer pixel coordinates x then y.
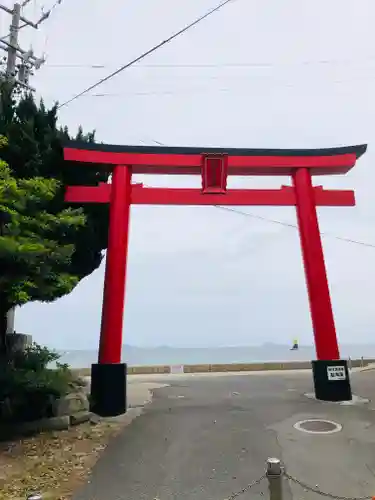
{"type": "Point", "coordinates": [331, 377]}
{"type": "Point", "coordinates": [326, 344]}
{"type": "Point", "coordinates": [115, 270]}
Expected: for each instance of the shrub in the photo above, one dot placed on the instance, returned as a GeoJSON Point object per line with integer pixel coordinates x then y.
{"type": "Point", "coordinates": [28, 387]}
{"type": "Point", "coordinates": [33, 358]}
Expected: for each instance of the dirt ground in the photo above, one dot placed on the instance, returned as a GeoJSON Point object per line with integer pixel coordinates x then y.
{"type": "Point", "coordinates": [54, 464]}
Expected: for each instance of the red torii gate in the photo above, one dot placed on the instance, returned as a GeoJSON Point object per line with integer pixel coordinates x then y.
{"type": "Point", "coordinates": [108, 388]}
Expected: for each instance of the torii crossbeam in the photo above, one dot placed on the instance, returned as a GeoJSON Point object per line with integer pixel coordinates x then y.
{"type": "Point", "coordinates": [331, 377]}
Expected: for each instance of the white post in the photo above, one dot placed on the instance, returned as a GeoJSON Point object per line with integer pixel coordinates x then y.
{"type": "Point", "coordinates": [274, 475]}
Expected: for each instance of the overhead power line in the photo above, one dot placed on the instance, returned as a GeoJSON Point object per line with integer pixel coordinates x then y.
{"type": "Point", "coordinates": [294, 226]}
{"type": "Point", "coordinates": [223, 65]}
{"type": "Point", "coordinates": [45, 14]}
{"type": "Point", "coordinates": [233, 89]}
{"type": "Point", "coordinates": [148, 52]}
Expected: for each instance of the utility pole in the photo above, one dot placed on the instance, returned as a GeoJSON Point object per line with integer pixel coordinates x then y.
{"type": "Point", "coordinates": [28, 61]}
{"type": "Point", "coordinates": [20, 77]}
{"type": "Point", "coordinates": [13, 41]}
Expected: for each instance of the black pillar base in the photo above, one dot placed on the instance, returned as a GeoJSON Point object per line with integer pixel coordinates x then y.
{"type": "Point", "coordinates": [331, 380]}
{"type": "Point", "coordinates": [108, 389]}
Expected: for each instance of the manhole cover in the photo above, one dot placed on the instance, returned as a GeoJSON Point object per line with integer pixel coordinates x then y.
{"type": "Point", "coordinates": [318, 426]}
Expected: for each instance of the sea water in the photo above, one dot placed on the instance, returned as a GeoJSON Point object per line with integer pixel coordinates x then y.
{"type": "Point", "coordinates": [164, 355]}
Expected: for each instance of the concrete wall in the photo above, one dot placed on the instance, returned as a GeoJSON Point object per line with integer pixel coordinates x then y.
{"type": "Point", "coordinates": [233, 367]}
{"type": "Point", "coordinates": [246, 367]}
{"type": "Point", "coordinates": [148, 370]}
{"type": "Point", "coordinates": [251, 367]}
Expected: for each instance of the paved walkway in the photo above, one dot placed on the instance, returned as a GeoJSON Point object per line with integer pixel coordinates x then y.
{"type": "Point", "coordinates": [204, 437]}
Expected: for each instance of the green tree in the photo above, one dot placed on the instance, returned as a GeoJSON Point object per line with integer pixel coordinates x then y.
{"type": "Point", "coordinates": [36, 246]}
{"type": "Point", "coordinates": [34, 150]}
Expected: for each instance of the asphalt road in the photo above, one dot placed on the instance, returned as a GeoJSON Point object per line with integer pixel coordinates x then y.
{"type": "Point", "coordinates": [204, 438]}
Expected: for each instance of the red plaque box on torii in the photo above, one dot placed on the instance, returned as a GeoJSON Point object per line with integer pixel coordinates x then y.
{"type": "Point", "coordinates": [213, 165]}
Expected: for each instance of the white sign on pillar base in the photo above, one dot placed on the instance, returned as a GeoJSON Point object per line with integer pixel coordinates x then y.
{"type": "Point", "coordinates": [336, 373]}
{"type": "Point", "coordinates": [177, 369]}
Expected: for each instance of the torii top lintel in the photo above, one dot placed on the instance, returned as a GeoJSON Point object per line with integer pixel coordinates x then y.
{"type": "Point", "coordinates": [188, 160]}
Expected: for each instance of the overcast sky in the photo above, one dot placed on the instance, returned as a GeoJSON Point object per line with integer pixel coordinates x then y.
{"type": "Point", "coordinates": [256, 74]}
